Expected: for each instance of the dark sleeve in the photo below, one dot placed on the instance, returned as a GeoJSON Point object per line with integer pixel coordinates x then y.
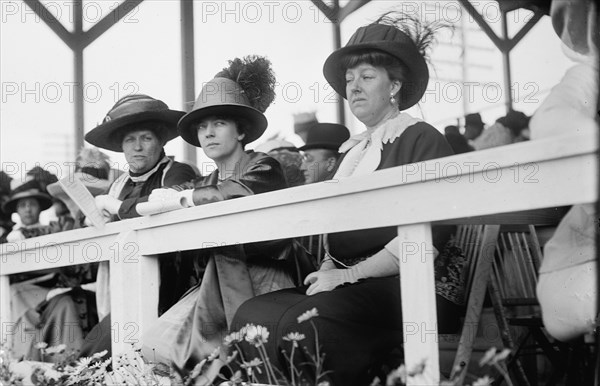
{"type": "Point", "coordinates": [421, 142]}
{"type": "Point", "coordinates": [259, 176]}
{"type": "Point", "coordinates": [178, 173]}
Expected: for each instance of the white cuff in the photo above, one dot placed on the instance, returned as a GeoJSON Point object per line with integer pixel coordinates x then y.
{"type": "Point", "coordinates": [187, 198]}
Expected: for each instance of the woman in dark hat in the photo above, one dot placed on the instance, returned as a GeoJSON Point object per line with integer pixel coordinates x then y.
{"type": "Point", "coordinates": [28, 200]}
{"type": "Point", "coordinates": [227, 115]}
{"type": "Point", "coordinates": [381, 71]}
{"type": "Point", "coordinates": [138, 126]}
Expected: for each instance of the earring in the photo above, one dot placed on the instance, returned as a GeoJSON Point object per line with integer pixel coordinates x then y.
{"type": "Point", "coordinates": [392, 99]}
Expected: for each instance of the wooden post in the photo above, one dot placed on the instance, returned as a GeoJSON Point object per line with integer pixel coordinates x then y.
{"type": "Point", "coordinates": [134, 284]}
{"type": "Point", "coordinates": [418, 301]}
{"type": "Point", "coordinates": [5, 312]}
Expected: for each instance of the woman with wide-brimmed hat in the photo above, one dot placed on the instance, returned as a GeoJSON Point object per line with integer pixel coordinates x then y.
{"type": "Point", "coordinates": [28, 200]}
{"type": "Point", "coordinates": [381, 71]}
{"type": "Point", "coordinates": [226, 116]}
{"type": "Point", "coordinates": [138, 126]}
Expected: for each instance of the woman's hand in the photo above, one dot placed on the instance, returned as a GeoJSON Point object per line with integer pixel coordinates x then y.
{"type": "Point", "coordinates": [163, 194]}
{"type": "Point", "coordinates": [107, 204]}
{"type": "Point", "coordinates": [326, 280]}
{"type": "Point", "coordinates": [327, 264]}
{"type": "Point", "coordinates": [185, 197]}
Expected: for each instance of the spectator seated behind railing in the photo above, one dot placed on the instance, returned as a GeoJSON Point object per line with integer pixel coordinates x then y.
{"type": "Point", "coordinates": [92, 168]}
{"type": "Point", "coordinates": [381, 71]}
{"type": "Point", "coordinates": [51, 308]}
{"type": "Point", "coordinates": [458, 143]}
{"type": "Point", "coordinates": [321, 150]}
{"type": "Point", "coordinates": [28, 199]}
{"type": "Point", "coordinates": [6, 223]}
{"type": "Point", "coordinates": [222, 123]}
{"type": "Point", "coordinates": [138, 126]}
{"type": "Point", "coordinates": [568, 284]}
{"type": "Point", "coordinates": [288, 156]}
{"type": "Point", "coordinates": [511, 128]}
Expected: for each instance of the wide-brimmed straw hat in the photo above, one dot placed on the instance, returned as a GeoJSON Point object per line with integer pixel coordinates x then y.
{"type": "Point", "coordinates": [326, 136]}
{"type": "Point", "coordinates": [28, 189]}
{"type": "Point", "coordinates": [390, 40]}
{"type": "Point", "coordinates": [225, 98]}
{"type": "Point", "coordinates": [135, 108]}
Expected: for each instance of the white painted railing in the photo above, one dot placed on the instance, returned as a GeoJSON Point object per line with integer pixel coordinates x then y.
{"type": "Point", "coordinates": [530, 175]}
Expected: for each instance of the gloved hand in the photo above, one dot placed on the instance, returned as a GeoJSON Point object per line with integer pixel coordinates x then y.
{"type": "Point", "coordinates": [326, 280]}
{"type": "Point", "coordinates": [185, 197]}
{"type": "Point", "coordinates": [327, 264]}
{"type": "Point", "coordinates": [163, 194]}
{"type": "Point", "coordinates": [107, 205]}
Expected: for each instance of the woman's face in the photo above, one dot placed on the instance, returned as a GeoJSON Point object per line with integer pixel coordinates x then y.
{"type": "Point", "coordinates": [368, 89]}
{"type": "Point", "coordinates": [142, 150]}
{"type": "Point", "coordinates": [220, 139]}
{"type": "Point", "coordinates": [29, 210]}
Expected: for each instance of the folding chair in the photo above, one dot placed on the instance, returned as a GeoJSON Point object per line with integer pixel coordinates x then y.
{"type": "Point", "coordinates": [478, 243]}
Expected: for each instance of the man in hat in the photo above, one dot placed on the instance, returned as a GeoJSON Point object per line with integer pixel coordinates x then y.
{"type": "Point", "coordinates": [321, 150]}
{"type": "Point", "coordinates": [139, 126]}
{"type": "Point", "coordinates": [473, 127]}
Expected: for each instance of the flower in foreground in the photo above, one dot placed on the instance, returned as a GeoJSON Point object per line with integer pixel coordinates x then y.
{"type": "Point", "coordinates": [294, 337]}
{"type": "Point", "coordinates": [41, 345]}
{"type": "Point", "coordinates": [308, 315]}
{"type": "Point", "coordinates": [256, 335]}
{"type": "Point", "coordinates": [253, 363]}
{"type": "Point", "coordinates": [485, 381]}
{"type": "Point", "coordinates": [233, 338]}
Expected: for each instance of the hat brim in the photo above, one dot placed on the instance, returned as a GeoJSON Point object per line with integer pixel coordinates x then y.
{"type": "Point", "coordinates": [103, 135]}
{"type": "Point", "coordinates": [320, 145]}
{"type": "Point", "coordinates": [257, 121]}
{"type": "Point", "coordinates": [411, 91]}
{"type": "Point", "coordinates": [44, 200]}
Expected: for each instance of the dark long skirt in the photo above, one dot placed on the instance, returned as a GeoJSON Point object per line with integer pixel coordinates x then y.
{"type": "Point", "coordinates": [358, 327]}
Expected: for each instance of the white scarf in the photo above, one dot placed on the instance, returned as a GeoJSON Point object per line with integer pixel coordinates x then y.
{"type": "Point", "coordinates": [364, 149]}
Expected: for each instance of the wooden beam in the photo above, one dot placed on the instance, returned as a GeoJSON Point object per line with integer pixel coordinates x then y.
{"type": "Point", "coordinates": [109, 20]}
{"type": "Point", "coordinates": [350, 8]}
{"type": "Point", "coordinates": [498, 42]}
{"type": "Point", "coordinates": [52, 22]}
{"type": "Point", "coordinates": [330, 12]}
{"type": "Point", "coordinates": [188, 75]}
{"type": "Point", "coordinates": [525, 29]}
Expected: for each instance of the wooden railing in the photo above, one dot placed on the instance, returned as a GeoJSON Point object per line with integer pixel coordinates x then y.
{"type": "Point", "coordinates": [530, 175]}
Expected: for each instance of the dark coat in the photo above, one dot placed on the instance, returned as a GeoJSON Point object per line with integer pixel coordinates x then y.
{"type": "Point", "coordinates": [177, 173]}
{"type": "Point", "coordinates": [419, 142]}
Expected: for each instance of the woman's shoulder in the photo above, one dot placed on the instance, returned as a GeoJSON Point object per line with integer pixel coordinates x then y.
{"type": "Point", "coordinates": [422, 130]}
{"type": "Point", "coordinates": [257, 157]}
{"type": "Point", "coordinates": [419, 142]}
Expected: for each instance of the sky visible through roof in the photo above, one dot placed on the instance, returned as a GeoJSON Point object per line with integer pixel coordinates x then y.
{"type": "Point", "coordinates": [141, 54]}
